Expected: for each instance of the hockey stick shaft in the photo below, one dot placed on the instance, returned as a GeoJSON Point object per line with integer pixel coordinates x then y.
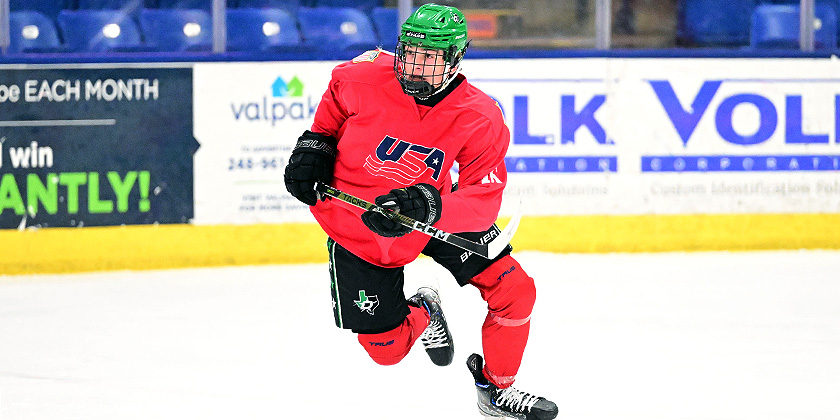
{"type": "Point", "coordinates": [487, 250]}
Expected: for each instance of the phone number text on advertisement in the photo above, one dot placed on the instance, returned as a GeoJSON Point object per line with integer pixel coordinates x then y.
{"type": "Point", "coordinates": [252, 163]}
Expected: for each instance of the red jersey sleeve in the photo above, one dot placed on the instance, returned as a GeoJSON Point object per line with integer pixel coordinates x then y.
{"type": "Point", "coordinates": [482, 178]}
{"type": "Point", "coordinates": [332, 112]}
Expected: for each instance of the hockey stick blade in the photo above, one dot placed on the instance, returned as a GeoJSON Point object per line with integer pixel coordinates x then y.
{"type": "Point", "coordinates": [487, 250]}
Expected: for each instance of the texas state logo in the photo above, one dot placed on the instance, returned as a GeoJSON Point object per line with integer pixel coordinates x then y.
{"type": "Point", "coordinates": [367, 303]}
{"type": "Point", "coordinates": [404, 162]}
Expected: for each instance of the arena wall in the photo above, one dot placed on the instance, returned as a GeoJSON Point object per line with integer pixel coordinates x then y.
{"type": "Point", "coordinates": [110, 166]}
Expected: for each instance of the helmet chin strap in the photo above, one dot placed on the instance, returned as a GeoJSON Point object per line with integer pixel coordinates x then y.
{"type": "Point", "coordinates": [417, 88]}
{"type": "Point", "coordinates": [453, 74]}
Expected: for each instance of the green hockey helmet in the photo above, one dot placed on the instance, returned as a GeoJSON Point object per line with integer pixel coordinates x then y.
{"type": "Point", "coordinates": [430, 27]}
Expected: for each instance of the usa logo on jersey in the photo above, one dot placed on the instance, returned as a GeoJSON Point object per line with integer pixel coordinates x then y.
{"type": "Point", "coordinates": [404, 162]}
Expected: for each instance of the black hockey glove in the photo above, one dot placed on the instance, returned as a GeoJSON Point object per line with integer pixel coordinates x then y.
{"type": "Point", "coordinates": [419, 202]}
{"type": "Point", "coordinates": [312, 160]}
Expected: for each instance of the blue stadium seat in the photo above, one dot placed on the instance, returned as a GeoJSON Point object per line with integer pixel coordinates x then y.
{"type": "Point", "coordinates": [176, 30]}
{"type": "Point", "coordinates": [290, 6]}
{"type": "Point", "coordinates": [363, 5]}
{"type": "Point", "coordinates": [261, 30]}
{"type": "Point", "coordinates": [777, 26]}
{"type": "Point", "coordinates": [385, 22]}
{"type": "Point", "coordinates": [833, 4]}
{"type": "Point", "coordinates": [341, 28]}
{"type": "Point", "coordinates": [714, 23]}
{"type": "Point", "coordinates": [50, 8]}
{"type": "Point", "coordinates": [132, 7]}
{"type": "Point", "coordinates": [99, 31]}
{"type": "Point", "coordinates": [31, 31]}
{"type": "Point", "coordinates": [187, 4]}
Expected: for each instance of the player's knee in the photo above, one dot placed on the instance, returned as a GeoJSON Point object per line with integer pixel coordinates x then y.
{"type": "Point", "coordinates": [384, 348]}
{"type": "Point", "coordinates": [509, 291]}
{"type": "Point", "coordinates": [516, 297]}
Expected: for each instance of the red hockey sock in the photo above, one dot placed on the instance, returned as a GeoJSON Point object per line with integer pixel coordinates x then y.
{"type": "Point", "coordinates": [389, 347]}
{"type": "Point", "coordinates": [510, 294]}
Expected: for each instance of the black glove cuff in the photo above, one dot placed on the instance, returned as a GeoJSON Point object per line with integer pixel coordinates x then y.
{"type": "Point", "coordinates": [315, 142]}
{"type": "Point", "coordinates": [432, 202]}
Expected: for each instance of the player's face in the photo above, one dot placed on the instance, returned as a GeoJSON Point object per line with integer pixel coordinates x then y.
{"type": "Point", "coordinates": [424, 64]}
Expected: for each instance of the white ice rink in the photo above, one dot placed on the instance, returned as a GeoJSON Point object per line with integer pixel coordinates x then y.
{"type": "Point", "coordinates": [698, 336]}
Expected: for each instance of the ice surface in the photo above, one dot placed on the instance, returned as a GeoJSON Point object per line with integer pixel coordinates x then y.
{"type": "Point", "coordinates": [674, 336]}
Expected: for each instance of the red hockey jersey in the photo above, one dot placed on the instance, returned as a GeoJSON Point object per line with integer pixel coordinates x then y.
{"type": "Point", "coordinates": [387, 141]}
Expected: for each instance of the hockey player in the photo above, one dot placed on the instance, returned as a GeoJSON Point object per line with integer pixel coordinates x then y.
{"type": "Point", "coordinates": [389, 129]}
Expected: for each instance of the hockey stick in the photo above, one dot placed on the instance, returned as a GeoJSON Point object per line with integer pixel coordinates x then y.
{"type": "Point", "coordinates": [486, 248]}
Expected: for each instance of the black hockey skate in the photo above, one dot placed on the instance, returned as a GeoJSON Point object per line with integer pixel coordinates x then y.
{"type": "Point", "coordinates": [508, 402]}
{"type": "Point", "coordinates": [436, 338]}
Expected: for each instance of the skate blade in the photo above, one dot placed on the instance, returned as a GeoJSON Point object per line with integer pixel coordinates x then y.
{"type": "Point", "coordinates": [488, 415]}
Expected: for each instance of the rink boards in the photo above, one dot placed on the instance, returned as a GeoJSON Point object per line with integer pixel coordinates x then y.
{"type": "Point", "coordinates": [111, 166]}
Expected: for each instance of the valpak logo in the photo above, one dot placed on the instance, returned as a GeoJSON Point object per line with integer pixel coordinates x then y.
{"type": "Point", "coordinates": [281, 89]}
{"type": "Point", "coordinates": [287, 101]}
{"type": "Point", "coordinates": [784, 119]}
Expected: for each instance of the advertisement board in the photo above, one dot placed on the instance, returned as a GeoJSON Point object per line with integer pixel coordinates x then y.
{"type": "Point", "coordinates": [248, 117]}
{"type": "Point", "coordinates": [590, 136]}
{"type": "Point", "coordinates": [86, 146]}
{"type": "Point", "coordinates": [614, 154]}
{"type": "Point", "coordinates": [669, 136]}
